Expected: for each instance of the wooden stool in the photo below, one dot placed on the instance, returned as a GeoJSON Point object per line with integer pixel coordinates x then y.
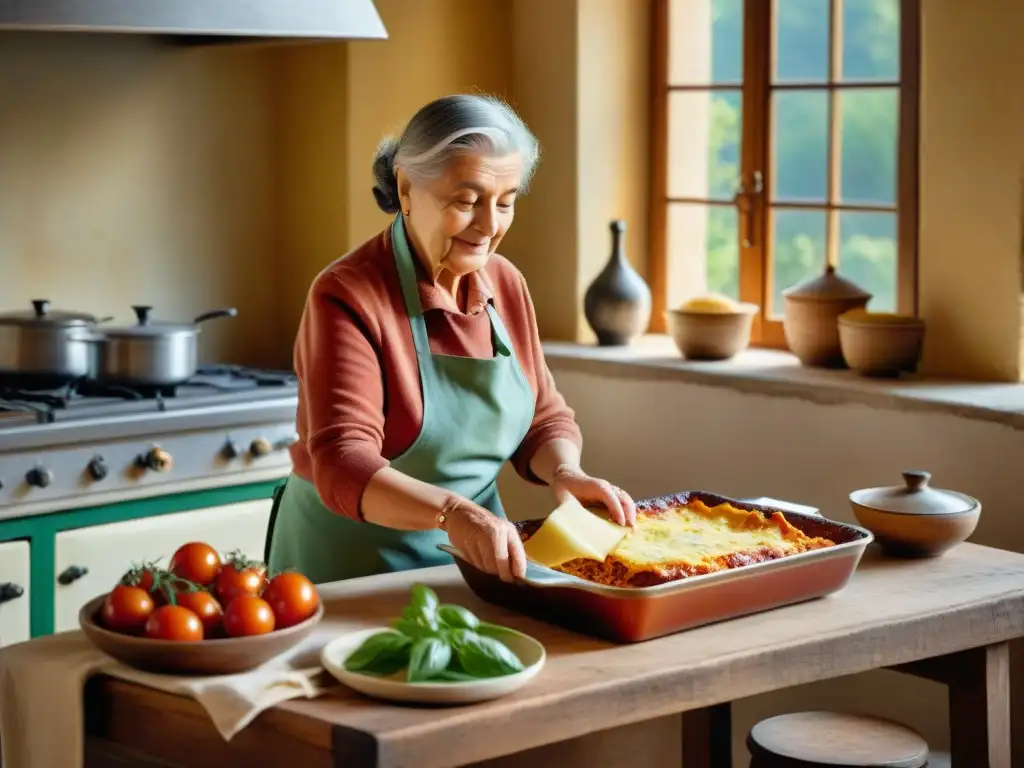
{"type": "Point", "coordinates": [834, 740]}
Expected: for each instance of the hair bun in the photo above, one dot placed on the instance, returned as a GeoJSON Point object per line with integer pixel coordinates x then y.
{"type": "Point", "coordinates": [385, 185]}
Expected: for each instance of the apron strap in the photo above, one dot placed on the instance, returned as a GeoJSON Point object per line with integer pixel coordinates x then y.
{"type": "Point", "coordinates": [411, 295]}
{"type": "Point", "coordinates": [502, 342]}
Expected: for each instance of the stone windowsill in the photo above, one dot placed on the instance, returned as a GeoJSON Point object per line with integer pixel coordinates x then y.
{"type": "Point", "coordinates": [777, 373]}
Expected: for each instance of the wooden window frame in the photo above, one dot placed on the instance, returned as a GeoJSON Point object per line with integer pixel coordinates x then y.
{"type": "Point", "coordinates": [755, 155]}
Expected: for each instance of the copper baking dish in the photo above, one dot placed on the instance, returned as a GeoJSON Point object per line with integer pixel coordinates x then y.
{"type": "Point", "coordinates": [629, 615]}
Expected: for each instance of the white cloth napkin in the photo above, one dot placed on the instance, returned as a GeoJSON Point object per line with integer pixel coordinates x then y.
{"type": "Point", "coordinates": [42, 682]}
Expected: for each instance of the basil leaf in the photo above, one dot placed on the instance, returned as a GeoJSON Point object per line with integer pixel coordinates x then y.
{"type": "Point", "coordinates": [416, 616]}
{"type": "Point", "coordinates": [458, 617]}
{"type": "Point", "coordinates": [430, 655]}
{"type": "Point", "coordinates": [424, 601]}
{"type": "Point", "coordinates": [483, 656]}
{"type": "Point", "coordinates": [413, 629]}
{"type": "Point", "coordinates": [382, 654]}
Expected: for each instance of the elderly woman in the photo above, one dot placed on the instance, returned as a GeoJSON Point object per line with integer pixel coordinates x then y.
{"type": "Point", "coordinates": [421, 371]}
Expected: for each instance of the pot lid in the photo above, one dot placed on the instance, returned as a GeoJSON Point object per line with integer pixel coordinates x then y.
{"type": "Point", "coordinates": [42, 314]}
{"type": "Point", "coordinates": [915, 497]}
{"type": "Point", "coordinates": [826, 287]}
{"type": "Point", "coordinates": [146, 326]}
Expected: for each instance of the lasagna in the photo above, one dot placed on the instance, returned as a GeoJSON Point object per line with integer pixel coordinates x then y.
{"type": "Point", "coordinates": [682, 538]}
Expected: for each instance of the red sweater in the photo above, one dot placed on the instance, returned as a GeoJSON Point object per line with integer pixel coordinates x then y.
{"type": "Point", "coordinates": [360, 400]}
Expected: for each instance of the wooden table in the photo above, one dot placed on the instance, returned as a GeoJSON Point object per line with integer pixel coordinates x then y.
{"type": "Point", "coordinates": [947, 619]}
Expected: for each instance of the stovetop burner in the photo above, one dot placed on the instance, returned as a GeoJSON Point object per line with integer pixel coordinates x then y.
{"type": "Point", "coordinates": [212, 384]}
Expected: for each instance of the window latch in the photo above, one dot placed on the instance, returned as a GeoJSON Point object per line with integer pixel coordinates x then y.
{"type": "Point", "coordinates": [744, 201]}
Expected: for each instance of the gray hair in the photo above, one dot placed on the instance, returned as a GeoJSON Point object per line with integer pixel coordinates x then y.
{"type": "Point", "coordinates": [446, 127]}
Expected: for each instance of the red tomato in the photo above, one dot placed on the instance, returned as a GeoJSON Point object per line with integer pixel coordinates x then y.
{"type": "Point", "coordinates": [248, 615]}
{"type": "Point", "coordinates": [197, 562]}
{"type": "Point", "coordinates": [239, 577]}
{"type": "Point", "coordinates": [126, 609]}
{"type": "Point", "coordinates": [292, 598]}
{"type": "Point", "coordinates": [174, 622]}
{"type": "Point", "coordinates": [205, 606]}
{"type": "Point", "coordinates": [143, 576]}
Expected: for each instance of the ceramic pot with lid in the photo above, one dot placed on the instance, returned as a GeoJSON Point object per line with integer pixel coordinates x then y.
{"type": "Point", "coordinates": [811, 320]}
{"type": "Point", "coordinates": [914, 519]}
{"type": "Point", "coordinates": [46, 347]}
{"type": "Point", "coordinates": [151, 353]}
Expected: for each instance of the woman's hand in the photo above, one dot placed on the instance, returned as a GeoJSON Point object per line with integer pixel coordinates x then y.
{"type": "Point", "coordinates": [487, 541]}
{"type": "Point", "coordinates": [573, 481]}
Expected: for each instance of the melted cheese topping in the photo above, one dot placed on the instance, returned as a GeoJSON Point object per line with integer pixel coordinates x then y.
{"type": "Point", "coordinates": [676, 540]}
{"type": "Point", "coordinates": [683, 535]}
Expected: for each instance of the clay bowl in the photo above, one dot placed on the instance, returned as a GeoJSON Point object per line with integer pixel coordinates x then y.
{"type": "Point", "coordinates": [711, 335]}
{"type": "Point", "coordinates": [215, 656]}
{"type": "Point", "coordinates": [916, 521]}
{"type": "Point", "coordinates": [881, 345]}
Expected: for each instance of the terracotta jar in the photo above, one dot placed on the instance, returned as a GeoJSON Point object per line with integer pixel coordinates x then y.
{"type": "Point", "coordinates": [811, 320]}
{"type": "Point", "coordinates": [914, 519]}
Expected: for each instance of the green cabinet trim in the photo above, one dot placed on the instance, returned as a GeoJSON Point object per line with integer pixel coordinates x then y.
{"type": "Point", "coordinates": [41, 533]}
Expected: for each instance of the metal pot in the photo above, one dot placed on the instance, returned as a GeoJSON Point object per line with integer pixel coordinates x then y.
{"type": "Point", "coordinates": [46, 346]}
{"type": "Point", "coordinates": [158, 354]}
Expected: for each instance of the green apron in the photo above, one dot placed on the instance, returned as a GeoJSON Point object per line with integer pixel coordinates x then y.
{"type": "Point", "coordinates": [476, 412]}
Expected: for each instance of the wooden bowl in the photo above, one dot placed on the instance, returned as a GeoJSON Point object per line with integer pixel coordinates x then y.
{"type": "Point", "coordinates": [881, 345]}
{"type": "Point", "coordinates": [216, 656]}
{"type": "Point", "coordinates": [915, 520]}
{"type": "Point", "coordinates": [711, 335]}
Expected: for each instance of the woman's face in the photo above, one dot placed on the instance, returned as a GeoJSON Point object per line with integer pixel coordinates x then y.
{"type": "Point", "coordinates": [457, 220]}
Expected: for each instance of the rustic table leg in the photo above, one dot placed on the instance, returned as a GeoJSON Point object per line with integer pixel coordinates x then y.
{"type": "Point", "coordinates": [979, 709]}
{"type": "Point", "coordinates": [707, 737]}
{"type": "Point", "coordinates": [979, 703]}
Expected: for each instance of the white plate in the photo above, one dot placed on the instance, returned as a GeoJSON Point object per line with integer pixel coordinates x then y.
{"type": "Point", "coordinates": [395, 688]}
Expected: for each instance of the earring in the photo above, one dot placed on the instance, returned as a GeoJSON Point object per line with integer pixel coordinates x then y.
{"type": "Point", "coordinates": [405, 212]}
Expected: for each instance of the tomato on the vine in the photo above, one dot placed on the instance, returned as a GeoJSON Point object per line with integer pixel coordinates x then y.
{"type": "Point", "coordinates": [145, 575]}
{"type": "Point", "coordinates": [126, 609]}
{"type": "Point", "coordinates": [239, 576]}
{"type": "Point", "coordinates": [196, 561]}
{"type": "Point", "coordinates": [205, 606]}
{"type": "Point", "coordinates": [174, 622]}
{"type": "Point", "coordinates": [292, 598]}
{"type": "Point", "coordinates": [248, 615]}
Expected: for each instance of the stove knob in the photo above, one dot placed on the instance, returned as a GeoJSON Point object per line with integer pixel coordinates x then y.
{"type": "Point", "coordinates": [156, 459]}
{"type": "Point", "coordinates": [97, 468]}
{"type": "Point", "coordinates": [260, 447]}
{"type": "Point", "coordinates": [287, 442]}
{"type": "Point", "coordinates": [230, 450]}
{"type": "Point", "coordinates": [40, 477]}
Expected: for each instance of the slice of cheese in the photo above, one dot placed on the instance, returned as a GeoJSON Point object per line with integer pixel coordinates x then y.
{"type": "Point", "coordinates": [573, 531]}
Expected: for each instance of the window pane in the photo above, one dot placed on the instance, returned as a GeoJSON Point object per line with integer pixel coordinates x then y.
{"type": "Point", "coordinates": [703, 251]}
{"type": "Point", "coordinates": [867, 255]}
{"type": "Point", "coordinates": [798, 251]}
{"type": "Point", "coordinates": [871, 40]}
{"type": "Point", "coordinates": [801, 41]}
{"type": "Point", "coordinates": [704, 144]}
{"type": "Point", "coordinates": [800, 138]}
{"type": "Point", "coordinates": [870, 127]}
{"type": "Point", "coordinates": [705, 42]}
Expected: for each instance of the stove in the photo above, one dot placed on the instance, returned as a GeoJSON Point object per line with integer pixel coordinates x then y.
{"type": "Point", "coordinates": [84, 443]}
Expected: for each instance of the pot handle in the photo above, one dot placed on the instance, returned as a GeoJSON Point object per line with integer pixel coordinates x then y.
{"type": "Point", "coordinates": [142, 313]}
{"type": "Point", "coordinates": [214, 313]}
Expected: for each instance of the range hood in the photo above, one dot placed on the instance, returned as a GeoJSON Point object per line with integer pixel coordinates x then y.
{"type": "Point", "coordinates": [200, 19]}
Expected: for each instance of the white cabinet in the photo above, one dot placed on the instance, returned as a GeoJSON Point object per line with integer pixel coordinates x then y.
{"type": "Point", "coordinates": [15, 604]}
{"type": "Point", "coordinates": [105, 552]}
